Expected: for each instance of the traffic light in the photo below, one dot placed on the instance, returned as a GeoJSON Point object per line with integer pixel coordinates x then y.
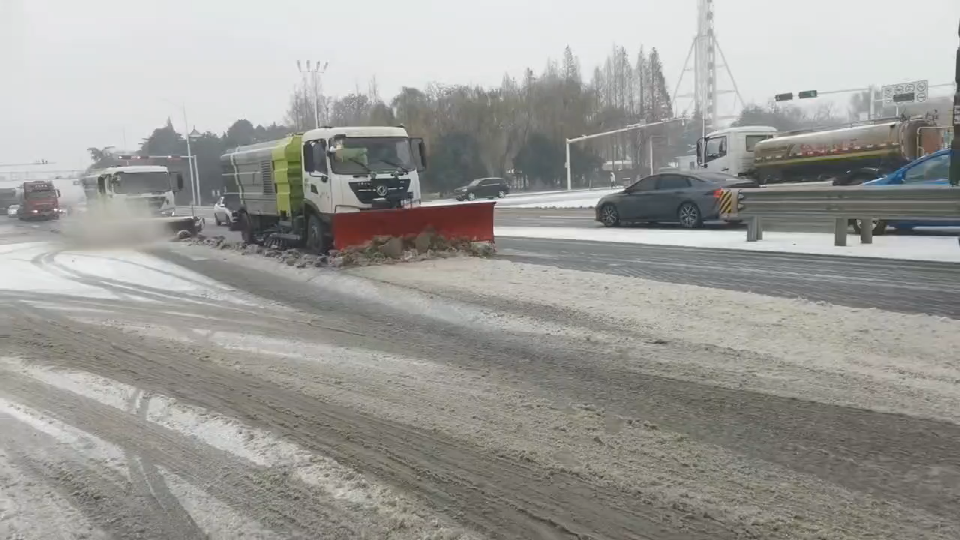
{"type": "Point", "coordinates": [807, 94]}
{"type": "Point", "coordinates": [784, 97]}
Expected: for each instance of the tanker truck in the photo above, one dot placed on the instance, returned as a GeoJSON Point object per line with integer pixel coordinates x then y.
{"type": "Point", "coordinates": [337, 187]}
{"type": "Point", "coordinates": [846, 155]}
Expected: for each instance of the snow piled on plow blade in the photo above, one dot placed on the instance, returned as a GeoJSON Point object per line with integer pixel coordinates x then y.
{"type": "Point", "coordinates": [472, 222]}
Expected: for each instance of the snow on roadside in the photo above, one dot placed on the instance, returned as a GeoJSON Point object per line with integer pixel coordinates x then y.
{"type": "Point", "coordinates": [29, 508]}
{"type": "Point", "coordinates": [523, 198]}
{"type": "Point", "coordinates": [862, 357]}
{"type": "Point", "coordinates": [589, 202]}
{"type": "Point", "coordinates": [254, 445]}
{"type": "Point", "coordinates": [921, 248]}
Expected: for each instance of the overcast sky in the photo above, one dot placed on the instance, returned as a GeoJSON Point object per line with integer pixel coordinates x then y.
{"type": "Point", "coordinates": [80, 73]}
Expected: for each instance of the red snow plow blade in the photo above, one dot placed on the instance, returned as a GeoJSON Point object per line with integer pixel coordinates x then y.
{"type": "Point", "coordinates": [473, 222]}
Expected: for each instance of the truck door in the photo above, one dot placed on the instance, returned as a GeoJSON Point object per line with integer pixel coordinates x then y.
{"type": "Point", "coordinates": [317, 186]}
{"type": "Point", "coordinates": [715, 154]}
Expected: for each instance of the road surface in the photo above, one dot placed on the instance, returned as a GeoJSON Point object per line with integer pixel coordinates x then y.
{"type": "Point", "coordinates": [185, 392]}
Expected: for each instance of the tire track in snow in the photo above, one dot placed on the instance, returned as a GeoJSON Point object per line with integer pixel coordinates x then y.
{"type": "Point", "coordinates": [495, 494]}
{"type": "Point", "coordinates": [92, 488]}
{"type": "Point", "coordinates": [148, 481]}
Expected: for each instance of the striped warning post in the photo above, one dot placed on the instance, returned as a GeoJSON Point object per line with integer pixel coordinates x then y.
{"type": "Point", "coordinates": [725, 203]}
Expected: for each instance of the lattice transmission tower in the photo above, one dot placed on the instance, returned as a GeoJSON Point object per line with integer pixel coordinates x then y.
{"type": "Point", "coordinates": [706, 87]}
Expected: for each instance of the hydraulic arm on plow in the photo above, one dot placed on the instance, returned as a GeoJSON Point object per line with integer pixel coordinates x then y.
{"type": "Point", "coordinates": [342, 187]}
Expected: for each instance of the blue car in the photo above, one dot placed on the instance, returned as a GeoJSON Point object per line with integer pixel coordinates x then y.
{"type": "Point", "coordinates": [932, 169]}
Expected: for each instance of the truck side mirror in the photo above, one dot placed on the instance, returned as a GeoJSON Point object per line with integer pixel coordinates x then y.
{"type": "Point", "coordinates": [419, 150]}
{"type": "Point", "coordinates": [179, 181]}
{"type": "Point", "coordinates": [700, 156]}
{"type": "Point", "coordinates": [58, 193]}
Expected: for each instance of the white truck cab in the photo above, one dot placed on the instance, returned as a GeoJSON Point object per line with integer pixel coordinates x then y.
{"type": "Point", "coordinates": [730, 150]}
{"type": "Point", "coordinates": [347, 169]}
{"type": "Point", "coordinates": [149, 189]}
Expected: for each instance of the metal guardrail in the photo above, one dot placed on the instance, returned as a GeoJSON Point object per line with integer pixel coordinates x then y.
{"type": "Point", "coordinates": [842, 204]}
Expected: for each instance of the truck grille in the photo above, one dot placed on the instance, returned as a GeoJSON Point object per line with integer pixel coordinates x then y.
{"type": "Point", "coordinates": [391, 189]}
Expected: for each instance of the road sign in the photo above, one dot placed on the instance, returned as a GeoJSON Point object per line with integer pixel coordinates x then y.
{"type": "Point", "coordinates": [911, 92]}
{"type": "Point", "coordinates": [783, 97]}
{"type": "Point", "coordinates": [807, 94]}
{"type": "Point", "coordinates": [908, 97]}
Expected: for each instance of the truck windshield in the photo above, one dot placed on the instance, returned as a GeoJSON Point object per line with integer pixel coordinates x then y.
{"type": "Point", "coordinates": [142, 182]}
{"type": "Point", "coordinates": [363, 155]}
{"type": "Point", "coordinates": [34, 194]}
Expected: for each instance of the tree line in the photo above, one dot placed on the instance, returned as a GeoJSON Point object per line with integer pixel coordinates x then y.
{"type": "Point", "coordinates": [516, 130]}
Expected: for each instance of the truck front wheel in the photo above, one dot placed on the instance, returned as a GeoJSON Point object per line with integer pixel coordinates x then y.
{"type": "Point", "coordinates": [246, 228]}
{"type": "Point", "coordinates": [316, 235]}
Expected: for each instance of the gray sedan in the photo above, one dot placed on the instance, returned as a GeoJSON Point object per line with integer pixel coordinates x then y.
{"type": "Point", "coordinates": [688, 198]}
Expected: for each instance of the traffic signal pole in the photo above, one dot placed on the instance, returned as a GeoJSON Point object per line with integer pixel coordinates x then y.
{"type": "Point", "coordinates": [955, 146]}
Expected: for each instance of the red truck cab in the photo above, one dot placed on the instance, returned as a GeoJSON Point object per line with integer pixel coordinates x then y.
{"type": "Point", "coordinates": [39, 200]}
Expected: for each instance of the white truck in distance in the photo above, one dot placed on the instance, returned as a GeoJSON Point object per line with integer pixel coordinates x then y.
{"type": "Point", "coordinates": [730, 150]}
{"type": "Point", "coordinates": [147, 190]}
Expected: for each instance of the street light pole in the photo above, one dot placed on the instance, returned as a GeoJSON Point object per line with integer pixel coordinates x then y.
{"type": "Point", "coordinates": [193, 179]}
{"type": "Point", "coordinates": [315, 72]}
{"type": "Point", "coordinates": [955, 145]}
{"type": "Point", "coordinates": [604, 134]}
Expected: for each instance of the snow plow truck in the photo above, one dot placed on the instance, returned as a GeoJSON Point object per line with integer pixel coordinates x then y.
{"type": "Point", "coordinates": [340, 187]}
{"type": "Point", "coordinates": [846, 155]}
{"type": "Point", "coordinates": [138, 193]}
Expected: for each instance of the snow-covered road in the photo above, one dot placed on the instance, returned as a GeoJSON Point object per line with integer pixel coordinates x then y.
{"type": "Point", "coordinates": [185, 392]}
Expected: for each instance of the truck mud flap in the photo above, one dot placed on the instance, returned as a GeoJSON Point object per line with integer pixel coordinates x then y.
{"type": "Point", "coordinates": [473, 222]}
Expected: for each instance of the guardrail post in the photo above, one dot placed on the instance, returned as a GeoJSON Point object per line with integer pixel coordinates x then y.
{"type": "Point", "coordinates": [840, 231]}
{"type": "Point", "coordinates": [866, 230]}
{"type": "Point", "coordinates": [754, 229]}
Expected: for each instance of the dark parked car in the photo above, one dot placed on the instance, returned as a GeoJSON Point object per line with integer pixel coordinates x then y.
{"type": "Point", "coordinates": [482, 188]}
{"type": "Point", "coordinates": [688, 197]}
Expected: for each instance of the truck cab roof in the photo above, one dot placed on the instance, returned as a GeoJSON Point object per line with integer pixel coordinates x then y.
{"type": "Point", "coordinates": [355, 131]}
{"type": "Point", "coordinates": [743, 129]}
